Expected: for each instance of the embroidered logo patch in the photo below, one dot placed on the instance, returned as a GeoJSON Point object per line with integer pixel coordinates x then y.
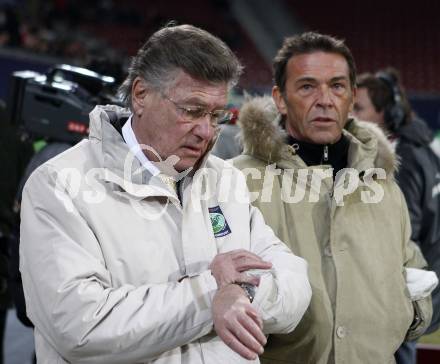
{"type": "Point", "coordinates": [219, 224]}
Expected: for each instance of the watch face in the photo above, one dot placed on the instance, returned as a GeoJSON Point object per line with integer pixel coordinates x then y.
{"type": "Point", "coordinates": [249, 290]}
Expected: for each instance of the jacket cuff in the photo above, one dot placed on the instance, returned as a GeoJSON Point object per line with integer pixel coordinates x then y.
{"type": "Point", "coordinates": [209, 284]}
{"type": "Point", "coordinates": [266, 295]}
{"type": "Point", "coordinates": [422, 318]}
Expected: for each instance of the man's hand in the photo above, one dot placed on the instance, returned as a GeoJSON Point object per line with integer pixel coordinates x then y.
{"type": "Point", "coordinates": [229, 267]}
{"type": "Point", "coordinates": [237, 322]}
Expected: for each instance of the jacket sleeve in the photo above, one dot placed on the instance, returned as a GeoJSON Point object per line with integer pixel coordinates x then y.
{"type": "Point", "coordinates": [411, 181]}
{"type": "Point", "coordinates": [284, 293]}
{"type": "Point", "coordinates": [73, 302]}
{"type": "Point", "coordinates": [413, 258]}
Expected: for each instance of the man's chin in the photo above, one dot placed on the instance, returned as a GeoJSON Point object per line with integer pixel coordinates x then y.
{"type": "Point", "coordinates": [326, 138]}
{"type": "Point", "coordinates": [185, 164]}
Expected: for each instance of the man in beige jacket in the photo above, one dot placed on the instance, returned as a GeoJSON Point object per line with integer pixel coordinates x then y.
{"type": "Point", "coordinates": [325, 183]}
{"type": "Point", "coordinates": [137, 245]}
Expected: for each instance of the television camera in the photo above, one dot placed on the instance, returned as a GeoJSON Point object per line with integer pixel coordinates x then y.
{"type": "Point", "coordinates": [55, 106]}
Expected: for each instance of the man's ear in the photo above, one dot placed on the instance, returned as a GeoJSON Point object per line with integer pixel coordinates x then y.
{"type": "Point", "coordinates": [279, 100]}
{"type": "Point", "coordinates": [353, 98]}
{"type": "Point", "coordinates": [138, 92]}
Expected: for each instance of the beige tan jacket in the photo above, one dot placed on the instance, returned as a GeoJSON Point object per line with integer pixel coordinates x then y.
{"type": "Point", "coordinates": [115, 267]}
{"type": "Point", "coordinates": [360, 310]}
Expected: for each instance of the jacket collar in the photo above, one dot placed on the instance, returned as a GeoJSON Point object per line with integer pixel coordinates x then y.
{"type": "Point", "coordinates": [120, 164]}
{"type": "Point", "coordinates": [264, 138]}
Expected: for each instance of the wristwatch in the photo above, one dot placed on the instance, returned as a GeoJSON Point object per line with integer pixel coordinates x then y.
{"type": "Point", "coordinates": [249, 289]}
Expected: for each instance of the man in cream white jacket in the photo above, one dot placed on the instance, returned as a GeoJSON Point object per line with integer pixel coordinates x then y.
{"type": "Point", "coordinates": [137, 246]}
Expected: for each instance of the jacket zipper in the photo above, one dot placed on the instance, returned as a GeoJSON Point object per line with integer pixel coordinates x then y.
{"type": "Point", "coordinates": [325, 155]}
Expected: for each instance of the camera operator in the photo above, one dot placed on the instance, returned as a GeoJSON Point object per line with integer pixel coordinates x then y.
{"type": "Point", "coordinates": [14, 155]}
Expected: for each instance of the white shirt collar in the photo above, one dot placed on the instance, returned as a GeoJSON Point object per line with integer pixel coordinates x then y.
{"type": "Point", "coordinates": [131, 140]}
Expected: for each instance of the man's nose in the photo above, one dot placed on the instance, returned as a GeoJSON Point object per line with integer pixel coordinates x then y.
{"type": "Point", "coordinates": [324, 97]}
{"type": "Point", "coordinates": [204, 129]}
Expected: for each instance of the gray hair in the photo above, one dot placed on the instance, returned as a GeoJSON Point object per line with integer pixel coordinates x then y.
{"type": "Point", "coordinates": [181, 48]}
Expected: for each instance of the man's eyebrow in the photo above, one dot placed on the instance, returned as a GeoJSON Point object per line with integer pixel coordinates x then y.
{"type": "Point", "coordinates": [196, 101]}
{"type": "Point", "coordinates": [312, 79]}
{"type": "Point", "coordinates": [339, 78]}
{"type": "Point", "coordinates": [306, 79]}
{"type": "Point", "coordinates": [193, 101]}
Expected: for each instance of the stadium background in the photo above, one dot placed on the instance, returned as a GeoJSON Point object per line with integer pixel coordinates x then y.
{"type": "Point", "coordinates": [103, 34]}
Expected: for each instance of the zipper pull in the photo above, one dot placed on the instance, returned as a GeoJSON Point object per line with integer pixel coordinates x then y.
{"type": "Point", "coordinates": [325, 153]}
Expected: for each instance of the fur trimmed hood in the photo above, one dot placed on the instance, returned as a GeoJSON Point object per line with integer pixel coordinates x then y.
{"type": "Point", "coordinates": [264, 138]}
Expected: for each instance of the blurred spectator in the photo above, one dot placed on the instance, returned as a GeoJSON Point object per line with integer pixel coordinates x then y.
{"type": "Point", "coordinates": [33, 40]}
{"type": "Point", "coordinates": [381, 99]}
{"type": "Point", "coordinates": [228, 145]}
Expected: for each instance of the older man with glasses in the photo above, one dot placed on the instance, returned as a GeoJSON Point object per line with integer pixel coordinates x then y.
{"type": "Point", "coordinates": [137, 245]}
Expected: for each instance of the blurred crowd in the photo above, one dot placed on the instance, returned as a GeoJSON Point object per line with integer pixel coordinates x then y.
{"type": "Point", "coordinates": [52, 28]}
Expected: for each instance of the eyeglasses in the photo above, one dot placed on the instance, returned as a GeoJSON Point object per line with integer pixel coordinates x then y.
{"type": "Point", "coordinates": [196, 113]}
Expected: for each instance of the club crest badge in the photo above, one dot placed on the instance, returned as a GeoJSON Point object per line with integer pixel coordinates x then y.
{"type": "Point", "coordinates": [220, 226]}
